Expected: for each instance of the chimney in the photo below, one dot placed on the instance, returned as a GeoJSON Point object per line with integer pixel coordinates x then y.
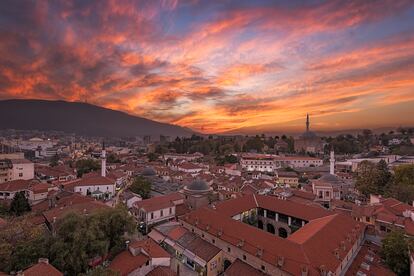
{"type": "Point", "coordinates": [280, 261]}
{"type": "Point", "coordinates": [43, 260]}
{"type": "Point", "coordinates": [322, 270]}
{"type": "Point", "coordinates": [259, 252]}
{"type": "Point", "coordinates": [241, 243]}
{"type": "Point", "coordinates": [304, 270]}
{"type": "Point", "coordinates": [336, 253]}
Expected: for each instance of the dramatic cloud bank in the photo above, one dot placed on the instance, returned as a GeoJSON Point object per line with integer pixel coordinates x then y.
{"type": "Point", "coordinates": [216, 66]}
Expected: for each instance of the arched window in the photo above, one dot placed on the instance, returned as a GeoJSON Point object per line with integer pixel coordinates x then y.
{"type": "Point", "coordinates": [260, 224]}
{"type": "Point", "coordinates": [282, 232]}
{"type": "Point", "coordinates": [270, 228]}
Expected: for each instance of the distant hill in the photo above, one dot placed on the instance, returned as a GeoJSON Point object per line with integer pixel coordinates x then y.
{"type": "Point", "coordinates": [80, 118]}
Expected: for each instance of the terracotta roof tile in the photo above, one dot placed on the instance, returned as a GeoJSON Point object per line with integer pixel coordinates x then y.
{"type": "Point", "coordinates": [239, 268]}
{"type": "Point", "coordinates": [125, 262]}
{"type": "Point", "coordinates": [161, 271]}
{"type": "Point", "coordinates": [42, 269]}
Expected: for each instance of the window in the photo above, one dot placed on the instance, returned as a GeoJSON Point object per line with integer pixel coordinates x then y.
{"type": "Point", "coordinates": [244, 257]}
{"type": "Point", "coordinates": [162, 213]}
{"type": "Point", "coordinates": [152, 215]}
{"type": "Point", "coordinates": [228, 249]}
{"type": "Point", "coordinates": [383, 228]}
{"type": "Point", "coordinates": [213, 265]}
{"type": "Point", "coordinates": [213, 241]}
{"type": "Point", "coordinates": [202, 235]}
{"type": "Point", "coordinates": [192, 230]}
{"type": "Point", "coordinates": [20, 174]}
{"type": "Point", "coordinates": [170, 211]}
{"type": "Point", "coordinates": [263, 268]}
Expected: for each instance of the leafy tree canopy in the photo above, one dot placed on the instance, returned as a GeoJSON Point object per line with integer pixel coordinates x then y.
{"type": "Point", "coordinates": [141, 186]}
{"type": "Point", "coordinates": [87, 165]}
{"type": "Point", "coordinates": [395, 252]}
{"type": "Point", "coordinates": [19, 204]}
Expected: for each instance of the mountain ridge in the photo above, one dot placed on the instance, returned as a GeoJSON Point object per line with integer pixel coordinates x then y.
{"type": "Point", "coordinates": [80, 118]}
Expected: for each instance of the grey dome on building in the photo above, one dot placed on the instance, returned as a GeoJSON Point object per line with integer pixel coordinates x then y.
{"type": "Point", "coordinates": [309, 134]}
{"type": "Point", "coordinates": [198, 185]}
{"type": "Point", "coordinates": [330, 178]}
{"type": "Point", "coordinates": [148, 171]}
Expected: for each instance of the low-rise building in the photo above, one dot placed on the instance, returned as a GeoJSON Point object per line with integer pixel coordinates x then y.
{"type": "Point", "coordinates": [324, 244]}
{"type": "Point", "coordinates": [41, 268]}
{"type": "Point", "coordinates": [270, 163]}
{"type": "Point", "coordinates": [140, 258]}
{"type": "Point", "coordinates": [188, 249]}
{"type": "Point", "coordinates": [156, 210]}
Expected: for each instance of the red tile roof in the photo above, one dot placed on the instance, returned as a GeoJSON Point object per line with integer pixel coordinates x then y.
{"type": "Point", "coordinates": [150, 247]}
{"type": "Point", "coordinates": [15, 185]}
{"type": "Point", "coordinates": [313, 245]}
{"type": "Point", "coordinates": [161, 271]}
{"type": "Point", "coordinates": [239, 268]}
{"type": "Point", "coordinates": [233, 207]}
{"type": "Point", "coordinates": [42, 269]}
{"type": "Point", "coordinates": [376, 267]}
{"type": "Point", "coordinates": [125, 262]}
{"type": "Point", "coordinates": [159, 202]}
{"type": "Point", "coordinates": [80, 208]}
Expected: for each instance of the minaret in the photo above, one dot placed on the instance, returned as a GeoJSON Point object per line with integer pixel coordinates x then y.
{"type": "Point", "coordinates": [307, 122]}
{"type": "Point", "coordinates": [332, 163]}
{"type": "Point", "coordinates": [103, 160]}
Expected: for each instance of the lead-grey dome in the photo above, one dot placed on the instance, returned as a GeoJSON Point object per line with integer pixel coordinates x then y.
{"type": "Point", "coordinates": [309, 135]}
{"type": "Point", "coordinates": [330, 178]}
{"type": "Point", "coordinates": [198, 185]}
{"type": "Point", "coordinates": [148, 171]}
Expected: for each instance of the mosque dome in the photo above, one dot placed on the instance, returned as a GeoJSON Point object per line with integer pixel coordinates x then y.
{"type": "Point", "coordinates": [309, 135]}
{"type": "Point", "coordinates": [330, 178]}
{"type": "Point", "coordinates": [198, 185]}
{"type": "Point", "coordinates": [148, 171]}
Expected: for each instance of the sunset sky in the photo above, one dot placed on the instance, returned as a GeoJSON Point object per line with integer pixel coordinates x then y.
{"type": "Point", "coordinates": [217, 66]}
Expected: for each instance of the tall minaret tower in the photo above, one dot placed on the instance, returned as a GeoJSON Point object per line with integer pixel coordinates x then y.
{"type": "Point", "coordinates": [307, 122]}
{"type": "Point", "coordinates": [332, 162]}
{"type": "Point", "coordinates": [103, 160]}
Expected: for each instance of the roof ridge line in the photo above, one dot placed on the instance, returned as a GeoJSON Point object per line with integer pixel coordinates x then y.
{"type": "Point", "coordinates": [255, 200]}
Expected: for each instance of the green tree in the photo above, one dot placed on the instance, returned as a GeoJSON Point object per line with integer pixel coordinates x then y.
{"type": "Point", "coordinates": [395, 252]}
{"type": "Point", "coordinates": [54, 161]}
{"type": "Point", "coordinates": [231, 159]}
{"type": "Point", "coordinates": [254, 144]}
{"type": "Point", "coordinates": [21, 244]}
{"type": "Point", "coordinates": [19, 204]}
{"type": "Point", "coordinates": [141, 186]}
{"type": "Point", "coordinates": [152, 156]}
{"type": "Point", "coordinates": [79, 239]}
{"type": "Point", "coordinates": [86, 165]}
{"type": "Point", "coordinates": [115, 223]}
{"type": "Point", "coordinates": [113, 158]}
{"type": "Point", "coordinates": [365, 179]}
{"type": "Point", "coordinates": [373, 178]}
{"type": "Point", "coordinates": [403, 183]}
{"type": "Point", "coordinates": [383, 177]}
